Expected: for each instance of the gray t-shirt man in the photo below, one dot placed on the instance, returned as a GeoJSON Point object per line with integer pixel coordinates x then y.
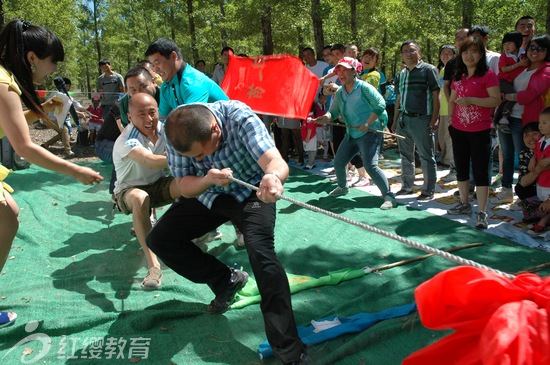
{"type": "Point", "coordinates": [110, 84]}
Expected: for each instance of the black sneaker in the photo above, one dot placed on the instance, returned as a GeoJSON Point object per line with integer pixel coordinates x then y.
{"type": "Point", "coordinates": [222, 301]}
{"type": "Point", "coordinates": [403, 192]}
{"type": "Point", "coordinates": [424, 197]}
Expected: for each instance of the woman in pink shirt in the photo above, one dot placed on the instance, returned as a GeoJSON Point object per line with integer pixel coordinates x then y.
{"type": "Point", "coordinates": [475, 92]}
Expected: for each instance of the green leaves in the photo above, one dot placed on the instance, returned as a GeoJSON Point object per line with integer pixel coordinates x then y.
{"type": "Point", "coordinates": [121, 30]}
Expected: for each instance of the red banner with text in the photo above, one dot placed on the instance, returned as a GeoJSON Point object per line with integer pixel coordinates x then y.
{"type": "Point", "coordinates": [276, 85]}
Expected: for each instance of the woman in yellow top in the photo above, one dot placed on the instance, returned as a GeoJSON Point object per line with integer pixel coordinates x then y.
{"type": "Point", "coordinates": [28, 54]}
{"type": "Point", "coordinates": [370, 74]}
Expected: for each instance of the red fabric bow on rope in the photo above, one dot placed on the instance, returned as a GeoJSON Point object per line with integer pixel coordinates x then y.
{"type": "Point", "coordinates": [497, 321]}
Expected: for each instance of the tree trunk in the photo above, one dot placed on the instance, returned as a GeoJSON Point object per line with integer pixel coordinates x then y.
{"type": "Point", "coordinates": [353, 14]}
{"type": "Point", "coordinates": [317, 21]}
{"type": "Point", "coordinates": [172, 21]}
{"type": "Point", "coordinates": [88, 81]}
{"type": "Point", "coordinates": [383, 52]}
{"type": "Point", "coordinates": [467, 13]}
{"type": "Point", "coordinates": [267, 30]}
{"type": "Point", "coordinates": [429, 51]}
{"type": "Point", "coordinates": [147, 30]}
{"type": "Point", "coordinates": [1, 13]}
{"type": "Point", "coordinates": [96, 31]}
{"type": "Point", "coordinates": [300, 39]}
{"type": "Point", "coordinates": [192, 30]}
{"type": "Point", "coordinates": [223, 29]}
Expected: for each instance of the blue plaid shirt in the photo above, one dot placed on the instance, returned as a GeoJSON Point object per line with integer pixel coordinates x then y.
{"type": "Point", "coordinates": [244, 140]}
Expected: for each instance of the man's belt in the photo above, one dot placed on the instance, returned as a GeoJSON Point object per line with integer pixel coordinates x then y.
{"type": "Point", "coordinates": [413, 115]}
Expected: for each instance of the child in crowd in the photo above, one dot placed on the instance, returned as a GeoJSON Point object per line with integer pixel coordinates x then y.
{"type": "Point", "coordinates": [96, 119]}
{"type": "Point", "coordinates": [542, 151]}
{"type": "Point", "coordinates": [510, 65]}
{"type": "Point", "coordinates": [309, 135]}
{"type": "Point", "coordinates": [526, 188]}
{"type": "Point", "coordinates": [323, 132]}
{"type": "Point", "coordinates": [351, 51]}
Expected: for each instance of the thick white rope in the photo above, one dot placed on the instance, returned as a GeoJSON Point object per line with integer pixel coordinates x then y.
{"type": "Point", "coordinates": [448, 256]}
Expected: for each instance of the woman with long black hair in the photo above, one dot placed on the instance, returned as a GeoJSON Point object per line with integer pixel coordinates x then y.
{"type": "Point", "coordinates": [475, 92]}
{"type": "Point", "coordinates": [28, 55]}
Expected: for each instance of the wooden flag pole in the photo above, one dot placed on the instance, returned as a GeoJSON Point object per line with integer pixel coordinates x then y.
{"type": "Point", "coordinates": [370, 130]}
{"type": "Point", "coordinates": [419, 258]}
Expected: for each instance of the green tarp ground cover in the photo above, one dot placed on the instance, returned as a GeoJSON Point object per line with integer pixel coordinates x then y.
{"type": "Point", "coordinates": [76, 269]}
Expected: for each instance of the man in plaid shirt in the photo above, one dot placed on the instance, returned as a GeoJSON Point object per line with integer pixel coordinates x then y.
{"type": "Point", "coordinates": [206, 144]}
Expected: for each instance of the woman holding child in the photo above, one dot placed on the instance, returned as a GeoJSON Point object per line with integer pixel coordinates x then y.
{"type": "Point", "coordinates": [475, 92]}
{"type": "Point", "coordinates": [532, 87]}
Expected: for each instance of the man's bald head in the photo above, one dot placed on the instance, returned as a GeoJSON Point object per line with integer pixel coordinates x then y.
{"type": "Point", "coordinates": [143, 112]}
{"type": "Point", "coordinates": [140, 99]}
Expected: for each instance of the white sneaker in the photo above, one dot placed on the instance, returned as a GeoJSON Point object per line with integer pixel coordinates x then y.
{"type": "Point", "coordinates": [339, 191]}
{"type": "Point", "coordinates": [389, 203]}
{"type": "Point", "coordinates": [451, 176]}
{"type": "Point", "coordinates": [506, 195]}
{"type": "Point", "coordinates": [348, 178]}
{"type": "Point", "coordinates": [362, 181]}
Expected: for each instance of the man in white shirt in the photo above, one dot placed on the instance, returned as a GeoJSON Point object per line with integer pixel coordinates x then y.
{"type": "Point", "coordinates": [139, 159]}
{"type": "Point", "coordinates": [315, 66]}
{"type": "Point", "coordinates": [526, 26]}
{"type": "Point", "coordinates": [312, 64]}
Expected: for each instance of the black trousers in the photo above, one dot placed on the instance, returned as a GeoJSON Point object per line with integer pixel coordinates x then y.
{"type": "Point", "coordinates": [474, 147]}
{"type": "Point", "coordinates": [187, 219]}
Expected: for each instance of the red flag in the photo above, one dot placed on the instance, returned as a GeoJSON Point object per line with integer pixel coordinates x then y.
{"type": "Point", "coordinates": [276, 85]}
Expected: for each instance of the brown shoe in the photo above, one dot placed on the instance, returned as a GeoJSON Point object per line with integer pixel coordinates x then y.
{"type": "Point", "coordinates": [153, 279]}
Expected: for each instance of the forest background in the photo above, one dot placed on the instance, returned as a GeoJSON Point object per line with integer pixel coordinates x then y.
{"type": "Point", "coordinates": [121, 30]}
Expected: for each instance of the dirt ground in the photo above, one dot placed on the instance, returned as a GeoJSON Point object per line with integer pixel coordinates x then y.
{"type": "Point", "coordinates": [39, 135]}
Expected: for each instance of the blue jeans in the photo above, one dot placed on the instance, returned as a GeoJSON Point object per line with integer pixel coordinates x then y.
{"type": "Point", "coordinates": [511, 145]}
{"type": "Point", "coordinates": [418, 134]}
{"type": "Point", "coordinates": [369, 146]}
{"type": "Point", "coordinates": [104, 150]}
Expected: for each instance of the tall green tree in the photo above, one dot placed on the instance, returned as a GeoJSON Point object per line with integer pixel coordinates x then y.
{"type": "Point", "coordinates": [121, 30]}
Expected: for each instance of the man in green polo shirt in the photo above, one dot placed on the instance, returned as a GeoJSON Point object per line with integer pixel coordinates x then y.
{"type": "Point", "coordinates": [182, 84]}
